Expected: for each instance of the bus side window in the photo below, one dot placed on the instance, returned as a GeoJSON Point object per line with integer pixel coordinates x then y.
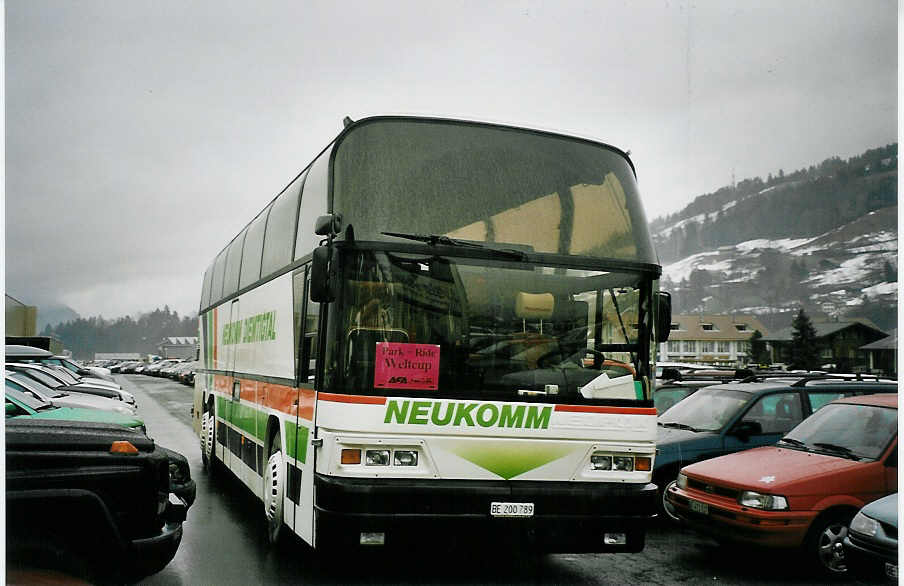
{"type": "Point", "coordinates": [298, 296]}
{"type": "Point", "coordinates": [307, 315]}
{"type": "Point", "coordinates": [310, 350]}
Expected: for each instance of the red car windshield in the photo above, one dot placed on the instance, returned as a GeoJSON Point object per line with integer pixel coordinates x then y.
{"type": "Point", "coordinates": [848, 430]}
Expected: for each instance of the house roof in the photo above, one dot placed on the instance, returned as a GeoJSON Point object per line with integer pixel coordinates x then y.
{"type": "Point", "coordinates": [823, 329]}
{"type": "Point", "coordinates": [724, 327]}
{"type": "Point", "coordinates": [889, 343]}
{"type": "Point", "coordinates": [180, 341]}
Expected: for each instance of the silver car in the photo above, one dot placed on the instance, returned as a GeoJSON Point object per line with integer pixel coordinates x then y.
{"type": "Point", "coordinates": [31, 386]}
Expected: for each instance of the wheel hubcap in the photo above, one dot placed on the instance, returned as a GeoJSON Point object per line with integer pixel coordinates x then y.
{"type": "Point", "coordinates": [666, 505]}
{"type": "Point", "coordinates": [831, 551]}
{"type": "Point", "coordinates": [207, 429]}
{"type": "Point", "coordinates": [274, 489]}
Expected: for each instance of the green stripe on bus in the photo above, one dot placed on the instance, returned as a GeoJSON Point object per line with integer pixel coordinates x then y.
{"type": "Point", "coordinates": [296, 441]}
{"type": "Point", "coordinates": [252, 422]}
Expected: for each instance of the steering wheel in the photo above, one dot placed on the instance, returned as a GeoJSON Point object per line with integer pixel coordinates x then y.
{"type": "Point", "coordinates": [598, 357]}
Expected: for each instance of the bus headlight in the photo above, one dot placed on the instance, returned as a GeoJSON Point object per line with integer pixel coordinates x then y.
{"type": "Point", "coordinates": [376, 458]}
{"type": "Point", "coordinates": [624, 463]}
{"type": "Point", "coordinates": [404, 458]}
{"type": "Point", "coordinates": [607, 461]}
{"type": "Point", "coordinates": [599, 461]}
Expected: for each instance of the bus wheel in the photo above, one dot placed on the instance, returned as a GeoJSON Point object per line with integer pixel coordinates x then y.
{"type": "Point", "coordinates": [274, 489]}
{"type": "Point", "coordinates": [208, 437]}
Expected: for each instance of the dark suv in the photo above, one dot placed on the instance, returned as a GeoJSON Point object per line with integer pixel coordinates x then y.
{"type": "Point", "coordinates": [728, 418]}
{"type": "Point", "coordinates": [97, 500]}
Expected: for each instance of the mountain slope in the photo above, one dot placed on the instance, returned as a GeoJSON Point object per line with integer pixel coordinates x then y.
{"type": "Point", "coordinates": [826, 242]}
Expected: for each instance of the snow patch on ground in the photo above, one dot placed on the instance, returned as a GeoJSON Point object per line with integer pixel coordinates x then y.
{"type": "Point", "coordinates": [881, 289]}
{"type": "Point", "coordinates": [668, 231]}
{"type": "Point", "coordinates": [783, 244]}
{"type": "Point", "coordinates": [682, 269]}
{"type": "Point", "coordinates": [851, 271]}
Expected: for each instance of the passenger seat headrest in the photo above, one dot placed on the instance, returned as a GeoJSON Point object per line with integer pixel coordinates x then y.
{"type": "Point", "coordinates": [534, 305]}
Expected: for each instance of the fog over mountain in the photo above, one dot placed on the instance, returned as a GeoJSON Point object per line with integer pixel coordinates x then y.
{"type": "Point", "coordinates": [822, 238]}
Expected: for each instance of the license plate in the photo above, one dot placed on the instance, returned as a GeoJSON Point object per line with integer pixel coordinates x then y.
{"type": "Point", "coordinates": [699, 507]}
{"type": "Point", "coordinates": [512, 509]}
{"type": "Point", "coordinates": [891, 570]}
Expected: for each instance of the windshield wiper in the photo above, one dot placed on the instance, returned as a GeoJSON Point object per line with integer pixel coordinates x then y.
{"type": "Point", "coordinates": [434, 239]}
{"type": "Point", "coordinates": [792, 441]}
{"type": "Point", "coordinates": [846, 452]}
{"type": "Point", "coordinates": [679, 426]}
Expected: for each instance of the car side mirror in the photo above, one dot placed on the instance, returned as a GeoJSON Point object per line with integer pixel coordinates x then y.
{"type": "Point", "coordinates": [745, 429]}
{"type": "Point", "coordinates": [11, 410]}
{"type": "Point", "coordinates": [663, 315]}
{"type": "Point", "coordinates": [324, 274]}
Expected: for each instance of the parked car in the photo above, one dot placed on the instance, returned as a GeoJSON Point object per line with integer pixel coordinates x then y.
{"type": "Point", "coordinates": [99, 501]}
{"type": "Point", "coordinates": [185, 374]}
{"type": "Point", "coordinates": [667, 395]}
{"type": "Point", "coordinates": [62, 380]}
{"type": "Point", "coordinates": [155, 368]}
{"type": "Point", "coordinates": [20, 404]}
{"type": "Point", "coordinates": [120, 368]}
{"type": "Point", "coordinates": [871, 544]}
{"type": "Point", "coordinates": [803, 492]}
{"type": "Point", "coordinates": [680, 367]}
{"type": "Point", "coordinates": [18, 353]}
{"type": "Point", "coordinates": [728, 418]}
{"type": "Point", "coordinates": [39, 390]}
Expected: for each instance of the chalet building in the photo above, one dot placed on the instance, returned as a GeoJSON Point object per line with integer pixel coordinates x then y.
{"type": "Point", "coordinates": [179, 347]}
{"type": "Point", "coordinates": [840, 343]}
{"type": "Point", "coordinates": [720, 340]}
{"type": "Point", "coordinates": [883, 354]}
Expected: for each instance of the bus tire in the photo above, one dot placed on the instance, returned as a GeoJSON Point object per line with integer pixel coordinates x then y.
{"type": "Point", "coordinates": [209, 437]}
{"type": "Point", "coordinates": [274, 490]}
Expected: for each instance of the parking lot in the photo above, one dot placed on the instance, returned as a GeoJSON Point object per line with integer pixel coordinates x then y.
{"type": "Point", "coordinates": [225, 543]}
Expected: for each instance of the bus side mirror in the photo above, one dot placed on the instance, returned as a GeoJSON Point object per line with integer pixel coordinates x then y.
{"type": "Point", "coordinates": [328, 225]}
{"type": "Point", "coordinates": [324, 274]}
{"type": "Point", "coordinates": [663, 315]}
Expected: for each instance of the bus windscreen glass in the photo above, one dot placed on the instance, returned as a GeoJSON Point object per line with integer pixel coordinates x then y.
{"type": "Point", "coordinates": [491, 184]}
{"type": "Point", "coordinates": [480, 328]}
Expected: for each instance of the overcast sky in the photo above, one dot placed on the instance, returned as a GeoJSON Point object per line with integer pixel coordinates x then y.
{"type": "Point", "coordinates": [141, 136]}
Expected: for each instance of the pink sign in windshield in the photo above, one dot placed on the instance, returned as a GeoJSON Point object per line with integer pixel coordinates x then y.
{"type": "Point", "coordinates": [406, 366]}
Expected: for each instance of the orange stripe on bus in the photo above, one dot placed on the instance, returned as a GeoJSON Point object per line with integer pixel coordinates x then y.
{"type": "Point", "coordinates": [291, 400]}
{"type": "Point", "coordinates": [362, 399]}
{"type": "Point", "coordinates": [616, 410]}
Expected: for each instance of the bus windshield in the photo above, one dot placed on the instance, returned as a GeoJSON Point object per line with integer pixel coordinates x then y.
{"type": "Point", "coordinates": [491, 184]}
{"type": "Point", "coordinates": [480, 328]}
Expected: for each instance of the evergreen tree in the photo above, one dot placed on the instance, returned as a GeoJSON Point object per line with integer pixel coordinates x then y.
{"type": "Point", "coordinates": [804, 351]}
{"type": "Point", "coordinates": [758, 352]}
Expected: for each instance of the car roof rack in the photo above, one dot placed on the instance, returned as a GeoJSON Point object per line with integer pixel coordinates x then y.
{"type": "Point", "coordinates": [804, 378]}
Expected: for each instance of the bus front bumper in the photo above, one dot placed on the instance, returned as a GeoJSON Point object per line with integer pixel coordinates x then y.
{"type": "Point", "coordinates": [567, 516]}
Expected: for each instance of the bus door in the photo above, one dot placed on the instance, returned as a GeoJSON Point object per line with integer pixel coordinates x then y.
{"type": "Point", "coordinates": [301, 478]}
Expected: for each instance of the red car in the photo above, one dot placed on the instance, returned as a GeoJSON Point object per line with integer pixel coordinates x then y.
{"type": "Point", "coordinates": [804, 491]}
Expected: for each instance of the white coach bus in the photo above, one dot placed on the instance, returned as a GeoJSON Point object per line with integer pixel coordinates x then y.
{"type": "Point", "coordinates": [440, 330]}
